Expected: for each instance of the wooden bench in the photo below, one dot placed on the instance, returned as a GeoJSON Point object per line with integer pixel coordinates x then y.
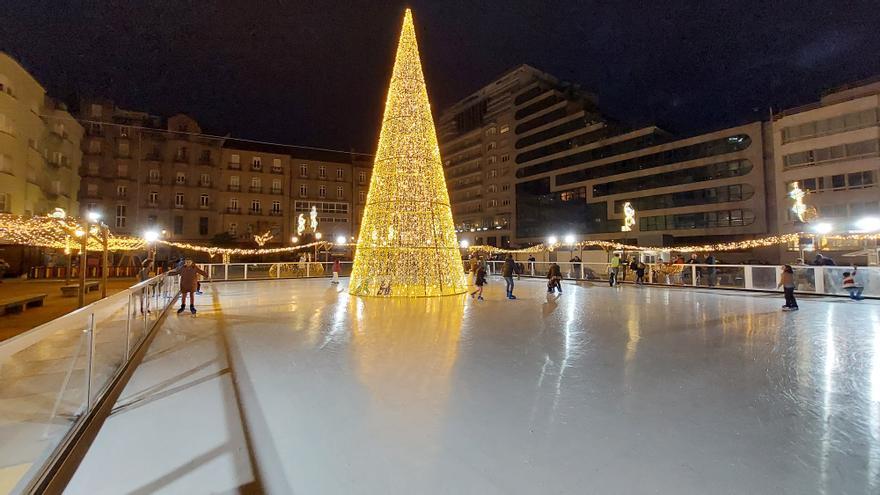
{"type": "Point", "coordinates": [73, 289]}
{"type": "Point", "coordinates": [19, 304]}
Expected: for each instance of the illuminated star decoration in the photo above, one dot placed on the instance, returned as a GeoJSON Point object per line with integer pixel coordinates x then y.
{"type": "Point", "coordinates": [407, 245]}
{"type": "Point", "coordinates": [629, 217]}
{"type": "Point", "coordinates": [797, 195]}
{"type": "Point", "coordinates": [263, 238]}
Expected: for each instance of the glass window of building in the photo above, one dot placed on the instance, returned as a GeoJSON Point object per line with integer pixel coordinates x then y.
{"type": "Point", "coordinates": [276, 206]}
{"type": "Point", "coordinates": [205, 180]}
{"type": "Point", "coordinates": [322, 191]}
{"type": "Point", "coordinates": [235, 158]}
{"type": "Point", "coordinates": [182, 153]}
{"type": "Point", "coordinates": [322, 172]}
{"type": "Point", "coordinates": [276, 165]}
{"type": "Point", "coordinates": [362, 197]}
{"type": "Point", "coordinates": [178, 225]}
{"type": "Point", "coordinates": [339, 192]}
{"type": "Point", "coordinates": [180, 178]}
{"type": "Point", "coordinates": [233, 203]}
{"type": "Point", "coordinates": [256, 184]}
{"type": "Point", "coordinates": [178, 200]}
{"type": "Point", "coordinates": [154, 198]}
{"type": "Point", "coordinates": [303, 170]}
{"type": "Point", "coordinates": [276, 186]}
{"type": "Point", "coordinates": [124, 131]}
{"type": "Point", "coordinates": [232, 229]}
{"type": "Point", "coordinates": [505, 128]}
{"type": "Point", "coordinates": [257, 163]}
{"type": "Point", "coordinates": [255, 205]}
{"type": "Point", "coordinates": [122, 170]}
{"type": "Point", "coordinates": [340, 174]}
{"type": "Point", "coordinates": [154, 175]}
{"type": "Point", "coordinates": [94, 146]}
{"type": "Point", "coordinates": [303, 190]}
{"type": "Point", "coordinates": [121, 192]}
{"type": "Point", "coordinates": [203, 225]}
{"type": "Point", "coordinates": [204, 200]}
{"type": "Point", "coordinates": [92, 190]}
{"type": "Point", "coordinates": [362, 177]}
{"type": "Point", "coordinates": [96, 110]}
{"type": "Point", "coordinates": [120, 216]}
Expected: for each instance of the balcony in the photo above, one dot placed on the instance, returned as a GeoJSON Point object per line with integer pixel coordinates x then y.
{"type": "Point", "coordinates": [154, 180]}
{"type": "Point", "coordinates": [179, 206]}
{"type": "Point", "coordinates": [235, 210]}
{"type": "Point", "coordinates": [255, 212]}
{"type": "Point", "coordinates": [256, 189]}
{"type": "Point", "coordinates": [152, 205]}
{"type": "Point", "coordinates": [232, 188]}
{"type": "Point", "coordinates": [233, 166]}
{"type": "Point", "coordinates": [277, 191]}
{"type": "Point", "coordinates": [277, 170]}
{"type": "Point", "coordinates": [204, 183]}
{"type": "Point", "coordinates": [181, 158]}
{"type": "Point", "coordinates": [256, 168]}
{"type": "Point", "coordinates": [203, 206]}
{"type": "Point", "coordinates": [205, 160]}
{"type": "Point", "coordinates": [153, 157]}
{"type": "Point", "coordinates": [276, 213]}
{"type": "Point", "coordinates": [322, 177]}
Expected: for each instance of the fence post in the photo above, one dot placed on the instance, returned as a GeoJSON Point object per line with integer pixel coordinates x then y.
{"type": "Point", "coordinates": [694, 275]}
{"type": "Point", "coordinates": [225, 271]}
{"type": "Point", "coordinates": [308, 269]}
{"type": "Point", "coordinates": [245, 271]}
{"type": "Point", "coordinates": [748, 280]}
{"type": "Point", "coordinates": [820, 279]}
{"type": "Point", "coordinates": [128, 327]}
{"type": "Point", "coordinates": [90, 361]}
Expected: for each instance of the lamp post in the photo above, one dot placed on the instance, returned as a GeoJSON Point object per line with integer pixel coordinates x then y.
{"type": "Point", "coordinates": [83, 235]}
{"type": "Point", "coordinates": [104, 260]}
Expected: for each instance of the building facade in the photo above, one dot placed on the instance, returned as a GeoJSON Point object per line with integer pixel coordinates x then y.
{"type": "Point", "coordinates": [480, 137]}
{"type": "Point", "coordinates": [832, 150]}
{"type": "Point", "coordinates": [39, 146]}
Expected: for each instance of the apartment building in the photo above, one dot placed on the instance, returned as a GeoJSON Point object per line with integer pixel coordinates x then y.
{"type": "Point", "coordinates": [39, 146]}
{"type": "Point", "coordinates": [706, 188]}
{"type": "Point", "coordinates": [327, 182]}
{"type": "Point", "coordinates": [143, 175]}
{"type": "Point", "coordinates": [479, 138]}
{"type": "Point", "coordinates": [831, 148]}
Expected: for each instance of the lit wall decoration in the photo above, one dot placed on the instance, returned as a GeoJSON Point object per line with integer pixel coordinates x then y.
{"type": "Point", "coordinates": [407, 245]}
{"type": "Point", "coordinates": [629, 219]}
{"type": "Point", "coordinates": [797, 195]}
{"type": "Point", "coordinates": [263, 238]}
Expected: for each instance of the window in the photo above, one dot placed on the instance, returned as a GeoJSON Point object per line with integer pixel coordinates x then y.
{"type": "Point", "coordinates": [505, 187]}
{"type": "Point", "coordinates": [362, 177]}
{"type": "Point", "coordinates": [154, 175]}
{"type": "Point", "coordinates": [235, 159]}
{"type": "Point", "coordinates": [121, 192]}
{"type": "Point", "coordinates": [92, 167]}
{"type": "Point", "coordinates": [493, 173]}
{"type": "Point", "coordinates": [322, 172]}
{"type": "Point", "coordinates": [492, 160]}
{"type": "Point", "coordinates": [276, 165]}
{"type": "Point", "coordinates": [322, 191]}
{"type": "Point", "coordinates": [233, 203]}
{"type": "Point", "coordinates": [233, 229]}
{"type": "Point", "coordinates": [5, 203]}
{"type": "Point", "coordinates": [94, 146]}
{"type": "Point", "coordinates": [178, 225]}
{"type": "Point", "coordinates": [204, 201]}
{"type": "Point", "coordinates": [256, 184]}
{"type": "Point", "coordinates": [181, 178]}
{"type": "Point", "coordinates": [122, 170]}
{"type": "Point", "coordinates": [92, 190]}
{"type": "Point", "coordinates": [97, 110]}
{"type": "Point", "coordinates": [838, 181]}
{"type": "Point", "coordinates": [490, 131]}
{"type": "Point", "coordinates": [205, 180]}
{"type": "Point", "coordinates": [492, 203]}
{"type": "Point", "coordinates": [178, 200]}
{"type": "Point", "coordinates": [276, 207]}
{"type": "Point", "coordinates": [233, 183]}
{"type": "Point", "coordinates": [6, 164]}
{"type": "Point", "coordinates": [203, 225]}
{"type": "Point", "coordinates": [257, 163]}
{"type": "Point", "coordinates": [505, 128]}
{"type": "Point", "coordinates": [339, 192]}
{"type": "Point", "coordinates": [205, 157]}
{"type": "Point", "coordinates": [812, 157]}
{"type": "Point", "coordinates": [303, 170]}
{"type": "Point", "coordinates": [120, 216]}
{"type": "Point", "coordinates": [833, 125]}
{"type": "Point", "coordinates": [492, 188]}
{"type": "Point", "coordinates": [859, 180]}
{"type": "Point", "coordinates": [362, 197]}
{"type": "Point", "coordinates": [505, 202]}
{"type": "Point", "coordinates": [182, 154]}
{"type": "Point", "coordinates": [505, 158]}
{"type": "Point", "coordinates": [123, 131]}
{"type": "Point", "coordinates": [154, 198]}
{"type": "Point", "coordinates": [255, 206]}
{"type": "Point", "coordinates": [491, 146]}
{"type": "Point", "coordinates": [303, 190]}
{"type": "Point", "coordinates": [340, 174]}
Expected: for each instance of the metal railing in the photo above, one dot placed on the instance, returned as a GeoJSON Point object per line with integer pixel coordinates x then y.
{"type": "Point", "coordinates": [52, 377]}
{"type": "Point", "coordinates": [281, 269]}
{"type": "Point", "coordinates": [820, 280]}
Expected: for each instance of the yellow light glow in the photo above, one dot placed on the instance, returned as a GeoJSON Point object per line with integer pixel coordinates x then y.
{"type": "Point", "coordinates": [407, 245]}
{"type": "Point", "coordinates": [797, 195]}
{"type": "Point", "coordinates": [629, 217]}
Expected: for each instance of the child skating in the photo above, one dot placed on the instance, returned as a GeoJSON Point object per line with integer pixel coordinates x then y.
{"type": "Point", "coordinates": [479, 281]}
{"type": "Point", "coordinates": [788, 285]}
{"type": "Point", "coordinates": [850, 285]}
{"type": "Point", "coordinates": [189, 282]}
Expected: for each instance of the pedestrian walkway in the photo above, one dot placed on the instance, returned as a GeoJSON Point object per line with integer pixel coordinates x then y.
{"type": "Point", "coordinates": [293, 386]}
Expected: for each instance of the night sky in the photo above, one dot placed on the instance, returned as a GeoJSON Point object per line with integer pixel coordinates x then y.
{"type": "Point", "coordinates": [315, 72]}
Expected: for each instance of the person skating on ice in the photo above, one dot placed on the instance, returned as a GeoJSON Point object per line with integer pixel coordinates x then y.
{"type": "Point", "coordinates": [479, 282]}
{"type": "Point", "coordinates": [788, 285]}
{"type": "Point", "coordinates": [189, 282]}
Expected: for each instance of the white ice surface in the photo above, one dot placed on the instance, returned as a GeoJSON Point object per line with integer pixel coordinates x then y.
{"type": "Point", "coordinates": [293, 386]}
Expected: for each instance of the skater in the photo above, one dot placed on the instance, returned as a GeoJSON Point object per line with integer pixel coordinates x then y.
{"type": "Point", "coordinates": [710, 260]}
{"type": "Point", "coordinates": [640, 273]}
{"type": "Point", "coordinates": [850, 285]}
{"type": "Point", "coordinates": [189, 279]}
{"type": "Point", "coordinates": [337, 267]}
{"type": "Point", "coordinates": [473, 264]}
{"type": "Point", "coordinates": [142, 276]}
{"type": "Point", "coordinates": [508, 269]}
{"type": "Point", "coordinates": [787, 284]}
{"type": "Point", "coordinates": [479, 281]}
{"type": "Point", "coordinates": [554, 276]}
{"type": "Point", "coordinates": [531, 264]}
{"type": "Point", "coordinates": [614, 270]}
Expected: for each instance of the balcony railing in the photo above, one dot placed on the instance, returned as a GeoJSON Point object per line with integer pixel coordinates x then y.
{"type": "Point", "coordinates": [154, 180]}
{"type": "Point", "coordinates": [233, 209]}
{"type": "Point", "coordinates": [203, 183]}
{"type": "Point", "coordinates": [256, 168]}
{"type": "Point", "coordinates": [277, 191]}
{"type": "Point", "coordinates": [179, 206]}
{"type": "Point", "coordinates": [277, 170]}
{"type": "Point", "coordinates": [276, 213]}
{"type": "Point", "coordinates": [181, 158]}
{"type": "Point", "coordinates": [234, 166]}
{"type": "Point", "coordinates": [153, 157]}
{"type": "Point", "coordinates": [233, 188]}
{"type": "Point", "coordinates": [253, 211]}
{"type": "Point", "coordinates": [256, 189]}
{"type": "Point", "coordinates": [205, 160]}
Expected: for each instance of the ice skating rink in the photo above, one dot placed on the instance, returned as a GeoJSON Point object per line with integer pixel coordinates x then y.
{"type": "Point", "coordinates": [293, 386]}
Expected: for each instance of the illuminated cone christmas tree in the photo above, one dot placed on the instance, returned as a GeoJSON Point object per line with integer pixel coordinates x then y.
{"type": "Point", "coordinates": [407, 245]}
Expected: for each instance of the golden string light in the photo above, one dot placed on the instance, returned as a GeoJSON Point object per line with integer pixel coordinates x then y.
{"type": "Point", "coordinates": [797, 195]}
{"type": "Point", "coordinates": [60, 232]}
{"type": "Point", "coordinates": [629, 217]}
{"type": "Point", "coordinates": [262, 239]}
{"type": "Point", "coordinates": [407, 245]}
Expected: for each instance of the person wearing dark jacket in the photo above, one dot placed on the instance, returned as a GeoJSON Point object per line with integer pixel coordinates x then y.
{"type": "Point", "coordinates": [189, 282]}
{"type": "Point", "coordinates": [554, 277]}
{"type": "Point", "coordinates": [508, 269]}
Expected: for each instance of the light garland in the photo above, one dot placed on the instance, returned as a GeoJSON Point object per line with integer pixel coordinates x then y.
{"type": "Point", "coordinates": [610, 245]}
{"type": "Point", "coordinates": [263, 238]}
{"type": "Point", "coordinates": [407, 245]}
{"type": "Point", "coordinates": [629, 217]}
{"type": "Point", "coordinates": [60, 232]}
{"type": "Point", "coordinates": [214, 251]}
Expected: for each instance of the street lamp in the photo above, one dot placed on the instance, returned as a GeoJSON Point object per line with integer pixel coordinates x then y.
{"type": "Point", "coordinates": [464, 243]}
{"type": "Point", "coordinates": [340, 239]}
{"type": "Point", "coordinates": [552, 240]}
{"type": "Point", "coordinates": [868, 224]}
{"type": "Point", "coordinates": [569, 239]}
{"type": "Point", "coordinates": [823, 228]}
{"type": "Point", "coordinates": [93, 216]}
{"type": "Point", "coordinates": [294, 240]}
